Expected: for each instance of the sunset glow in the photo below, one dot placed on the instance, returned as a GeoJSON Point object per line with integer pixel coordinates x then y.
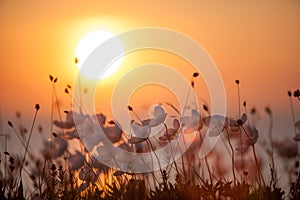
{"type": "Point", "coordinates": [89, 43]}
{"type": "Point", "coordinates": [150, 99]}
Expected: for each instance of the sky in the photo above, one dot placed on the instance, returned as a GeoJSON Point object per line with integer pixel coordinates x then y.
{"type": "Point", "coordinates": [256, 42]}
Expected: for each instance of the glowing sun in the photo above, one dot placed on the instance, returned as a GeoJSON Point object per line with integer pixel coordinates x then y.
{"type": "Point", "coordinates": [89, 43]}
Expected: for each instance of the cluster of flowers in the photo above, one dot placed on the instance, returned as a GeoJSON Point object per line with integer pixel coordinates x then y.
{"type": "Point", "coordinates": [141, 133]}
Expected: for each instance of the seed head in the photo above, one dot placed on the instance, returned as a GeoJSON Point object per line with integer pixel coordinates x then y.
{"type": "Point", "coordinates": [205, 107]}
{"type": "Point", "coordinates": [195, 74]}
{"type": "Point", "coordinates": [129, 108]}
{"type": "Point", "coordinates": [10, 124]}
{"type": "Point", "coordinates": [54, 134]}
{"type": "Point", "coordinates": [37, 106]}
{"type": "Point", "coordinates": [253, 110]}
{"type": "Point", "coordinates": [268, 110]}
{"type": "Point", "coordinates": [289, 93]}
{"type": "Point", "coordinates": [51, 78]}
{"type": "Point", "coordinates": [192, 84]}
{"type": "Point", "coordinates": [296, 93]}
{"type": "Point", "coordinates": [111, 122]}
{"type": "Point", "coordinates": [237, 81]}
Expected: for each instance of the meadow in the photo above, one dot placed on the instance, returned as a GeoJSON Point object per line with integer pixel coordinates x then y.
{"type": "Point", "coordinates": [241, 166]}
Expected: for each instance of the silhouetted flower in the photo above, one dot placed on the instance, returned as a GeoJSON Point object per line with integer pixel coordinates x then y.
{"type": "Point", "coordinates": [73, 134]}
{"type": "Point", "coordinates": [235, 124]}
{"type": "Point", "coordinates": [54, 149]}
{"type": "Point", "coordinates": [249, 139]}
{"type": "Point", "coordinates": [297, 136]}
{"type": "Point", "coordinates": [141, 133]}
{"type": "Point", "coordinates": [159, 116]}
{"type": "Point", "coordinates": [68, 123]}
{"type": "Point", "coordinates": [191, 123]}
{"type": "Point", "coordinates": [112, 131]}
{"type": "Point", "coordinates": [216, 124]}
{"type": "Point", "coordinates": [76, 160]}
{"type": "Point", "coordinates": [286, 148]}
{"type": "Point", "coordinates": [171, 132]}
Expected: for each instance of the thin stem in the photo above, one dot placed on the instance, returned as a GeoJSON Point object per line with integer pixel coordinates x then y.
{"type": "Point", "coordinates": [239, 99]}
{"type": "Point", "coordinates": [28, 141]}
{"type": "Point", "coordinates": [273, 172]}
{"type": "Point", "coordinates": [171, 149]}
{"type": "Point", "coordinates": [186, 100]}
{"type": "Point", "coordinates": [57, 104]}
{"type": "Point", "coordinates": [22, 142]}
{"type": "Point", "coordinates": [255, 157]}
{"type": "Point", "coordinates": [232, 157]}
{"type": "Point", "coordinates": [153, 175]}
{"type": "Point", "coordinates": [155, 155]}
{"type": "Point", "coordinates": [206, 162]}
{"type": "Point", "coordinates": [258, 169]}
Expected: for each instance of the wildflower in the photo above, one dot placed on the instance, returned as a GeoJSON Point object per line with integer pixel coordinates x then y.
{"type": "Point", "coordinates": [68, 123]}
{"type": "Point", "coordinates": [113, 132]}
{"type": "Point", "coordinates": [54, 149]}
{"type": "Point", "coordinates": [287, 148]}
{"type": "Point", "coordinates": [159, 116]}
{"type": "Point", "coordinates": [297, 136]}
{"type": "Point", "coordinates": [76, 160]}
{"type": "Point", "coordinates": [73, 134]}
{"type": "Point", "coordinates": [235, 124]}
{"type": "Point", "coordinates": [171, 132]}
{"type": "Point", "coordinates": [297, 93]}
{"type": "Point", "coordinates": [141, 132]}
{"type": "Point", "coordinates": [191, 123]}
{"type": "Point", "coordinates": [250, 139]}
{"type": "Point", "coordinates": [216, 124]}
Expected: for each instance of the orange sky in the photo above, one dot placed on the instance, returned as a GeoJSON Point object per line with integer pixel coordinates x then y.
{"type": "Point", "coordinates": [255, 41]}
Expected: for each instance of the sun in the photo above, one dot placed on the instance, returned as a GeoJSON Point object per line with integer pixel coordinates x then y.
{"type": "Point", "coordinates": [89, 43]}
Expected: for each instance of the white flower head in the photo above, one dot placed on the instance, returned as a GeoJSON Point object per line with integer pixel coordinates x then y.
{"type": "Point", "coordinates": [216, 124]}
{"type": "Point", "coordinates": [159, 116]}
{"type": "Point", "coordinates": [191, 123]}
{"type": "Point", "coordinates": [140, 131]}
